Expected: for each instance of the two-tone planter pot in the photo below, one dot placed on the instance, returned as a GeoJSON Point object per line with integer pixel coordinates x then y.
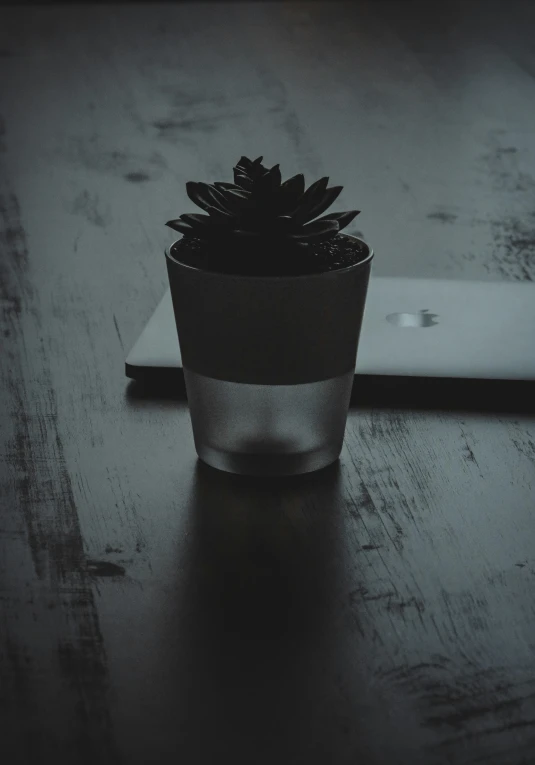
{"type": "Point", "coordinates": [269, 361]}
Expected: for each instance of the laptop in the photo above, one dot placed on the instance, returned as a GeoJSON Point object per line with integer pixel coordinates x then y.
{"type": "Point", "coordinates": [412, 328]}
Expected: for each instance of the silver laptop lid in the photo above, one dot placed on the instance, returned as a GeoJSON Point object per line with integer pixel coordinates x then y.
{"type": "Point", "coordinates": [445, 328]}
{"type": "Point", "coordinates": [411, 327]}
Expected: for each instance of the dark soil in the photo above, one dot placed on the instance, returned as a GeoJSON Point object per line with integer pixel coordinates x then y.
{"type": "Point", "coordinates": [339, 252]}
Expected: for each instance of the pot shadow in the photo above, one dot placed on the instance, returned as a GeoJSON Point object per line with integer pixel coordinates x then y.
{"type": "Point", "coordinates": [382, 391]}
{"type": "Point", "coordinates": [257, 597]}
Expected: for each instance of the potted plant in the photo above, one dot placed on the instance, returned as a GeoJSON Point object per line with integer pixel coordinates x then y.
{"type": "Point", "coordinates": [268, 302]}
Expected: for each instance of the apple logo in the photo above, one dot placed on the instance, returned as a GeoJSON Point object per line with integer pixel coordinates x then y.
{"type": "Point", "coordinates": [421, 319]}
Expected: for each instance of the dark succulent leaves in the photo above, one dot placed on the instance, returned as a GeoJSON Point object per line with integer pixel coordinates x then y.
{"type": "Point", "coordinates": [294, 185]}
{"type": "Point", "coordinates": [257, 171]}
{"type": "Point", "coordinates": [262, 186]}
{"type": "Point", "coordinates": [275, 176]}
{"type": "Point", "coordinates": [342, 218]}
{"type": "Point", "coordinates": [289, 194]}
{"type": "Point", "coordinates": [243, 234]}
{"type": "Point", "coordinates": [180, 225]}
{"type": "Point", "coordinates": [236, 203]}
{"type": "Point", "coordinates": [310, 198]}
{"type": "Point", "coordinates": [228, 200]}
{"type": "Point", "coordinates": [211, 200]}
{"type": "Point", "coordinates": [219, 213]}
{"type": "Point", "coordinates": [253, 169]}
{"type": "Point", "coordinates": [198, 195]}
{"type": "Point", "coordinates": [269, 182]}
{"type": "Point", "coordinates": [248, 164]}
{"type": "Point", "coordinates": [247, 173]}
{"type": "Point", "coordinates": [316, 231]}
{"type": "Point", "coordinates": [196, 221]}
{"type": "Point", "coordinates": [224, 185]}
{"type": "Point", "coordinates": [242, 180]}
{"type": "Point", "coordinates": [283, 223]}
{"type": "Point", "coordinates": [319, 205]}
{"type": "Point", "coordinates": [259, 206]}
{"type": "Point", "coordinates": [242, 193]}
{"type": "Point", "coordinates": [316, 189]}
{"type": "Point", "coordinates": [244, 162]}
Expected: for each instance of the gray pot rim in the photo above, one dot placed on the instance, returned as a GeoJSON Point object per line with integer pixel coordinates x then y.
{"type": "Point", "coordinates": [321, 275]}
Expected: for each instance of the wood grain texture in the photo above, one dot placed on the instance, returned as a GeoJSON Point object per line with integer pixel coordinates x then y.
{"type": "Point", "coordinates": [153, 609]}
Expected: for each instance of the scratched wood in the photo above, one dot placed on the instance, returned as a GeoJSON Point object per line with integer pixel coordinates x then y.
{"type": "Point", "coordinates": [380, 611]}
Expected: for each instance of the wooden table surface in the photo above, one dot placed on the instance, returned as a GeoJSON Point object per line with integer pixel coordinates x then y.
{"type": "Point", "coordinates": [152, 609]}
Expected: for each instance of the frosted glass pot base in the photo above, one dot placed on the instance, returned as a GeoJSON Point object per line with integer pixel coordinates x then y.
{"type": "Point", "coordinates": [268, 429]}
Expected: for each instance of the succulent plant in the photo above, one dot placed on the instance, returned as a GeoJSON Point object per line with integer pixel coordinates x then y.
{"type": "Point", "coordinates": [258, 208]}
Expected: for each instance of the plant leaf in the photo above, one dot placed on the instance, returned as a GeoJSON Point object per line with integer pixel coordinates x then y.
{"type": "Point", "coordinates": [294, 185]}
{"type": "Point", "coordinates": [196, 221]}
{"type": "Point", "coordinates": [179, 225]}
{"type": "Point", "coordinates": [310, 198]}
{"type": "Point", "coordinates": [242, 180]}
{"type": "Point", "coordinates": [204, 199]}
{"type": "Point", "coordinates": [212, 200]}
{"type": "Point", "coordinates": [197, 193]}
{"type": "Point", "coordinates": [269, 182]}
{"type": "Point", "coordinates": [224, 185]}
{"type": "Point", "coordinates": [290, 193]}
{"type": "Point", "coordinates": [283, 222]}
{"type": "Point", "coordinates": [225, 200]}
{"type": "Point", "coordinates": [276, 177]}
{"type": "Point", "coordinates": [237, 192]}
{"type": "Point", "coordinates": [246, 234]}
{"type": "Point", "coordinates": [319, 205]}
{"type": "Point", "coordinates": [244, 163]}
{"type": "Point", "coordinates": [342, 218]}
{"type": "Point", "coordinates": [234, 202]}
{"type": "Point", "coordinates": [316, 231]}
{"type": "Point", "coordinates": [218, 212]}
